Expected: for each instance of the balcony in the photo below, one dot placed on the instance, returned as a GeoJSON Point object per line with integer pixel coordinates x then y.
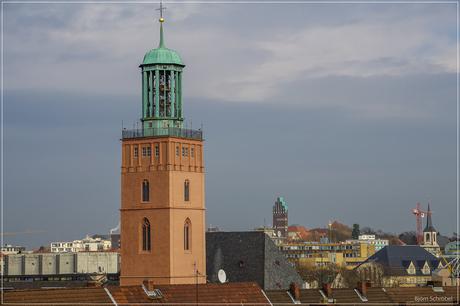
{"type": "Point", "coordinates": [166, 132]}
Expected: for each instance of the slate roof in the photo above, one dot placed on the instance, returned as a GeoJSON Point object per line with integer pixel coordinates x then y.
{"type": "Point", "coordinates": [395, 259]}
{"type": "Point", "coordinates": [248, 257]}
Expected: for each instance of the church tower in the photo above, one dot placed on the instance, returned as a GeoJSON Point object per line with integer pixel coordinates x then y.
{"type": "Point", "coordinates": [430, 239]}
{"type": "Point", "coordinates": [429, 233]}
{"type": "Point", "coordinates": [162, 182]}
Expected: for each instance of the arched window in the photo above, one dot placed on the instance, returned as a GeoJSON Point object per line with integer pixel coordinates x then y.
{"type": "Point", "coordinates": [145, 191]}
{"type": "Point", "coordinates": [186, 190]}
{"type": "Point", "coordinates": [146, 236]}
{"type": "Point", "coordinates": [187, 234]}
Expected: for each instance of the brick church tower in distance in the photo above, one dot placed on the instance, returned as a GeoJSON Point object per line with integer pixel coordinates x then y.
{"type": "Point", "coordinates": [162, 182]}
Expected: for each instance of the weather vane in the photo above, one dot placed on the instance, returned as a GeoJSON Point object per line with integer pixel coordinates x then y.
{"type": "Point", "coordinates": [161, 9]}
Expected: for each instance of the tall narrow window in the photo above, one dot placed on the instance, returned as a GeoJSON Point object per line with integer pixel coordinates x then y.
{"type": "Point", "coordinates": [157, 150]}
{"type": "Point", "coordinates": [187, 190]}
{"type": "Point", "coordinates": [187, 234]}
{"type": "Point", "coordinates": [145, 191]}
{"type": "Point", "coordinates": [136, 152]}
{"type": "Point", "coordinates": [146, 244]}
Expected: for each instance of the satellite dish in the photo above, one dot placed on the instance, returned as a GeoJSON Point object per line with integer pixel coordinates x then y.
{"type": "Point", "coordinates": [222, 276]}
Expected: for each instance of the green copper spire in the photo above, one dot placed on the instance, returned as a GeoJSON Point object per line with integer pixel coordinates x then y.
{"type": "Point", "coordinates": [162, 85]}
{"type": "Point", "coordinates": [162, 43]}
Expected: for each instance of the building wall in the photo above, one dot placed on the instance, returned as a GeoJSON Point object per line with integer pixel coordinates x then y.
{"type": "Point", "coordinates": [31, 264]}
{"type": "Point", "coordinates": [66, 263]}
{"type": "Point", "coordinates": [61, 264]}
{"type": "Point", "coordinates": [166, 210]}
{"type": "Point", "coordinates": [49, 264]}
{"type": "Point", "coordinates": [13, 264]}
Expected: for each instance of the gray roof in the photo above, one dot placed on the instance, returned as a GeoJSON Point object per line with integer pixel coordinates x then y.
{"type": "Point", "coordinates": [248, 256]}
{"type": "Point", "coordinates": [395, 259]}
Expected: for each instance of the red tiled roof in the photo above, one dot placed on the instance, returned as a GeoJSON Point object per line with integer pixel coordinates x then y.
{"type": "Point", "coordinates": [418, 295]}
{"type": "Point", "coordinates": [83, 296]}
{"type": "Point", "coordinates": [375, 296]}
{"type": "Point", "coordinates": [241, 293]}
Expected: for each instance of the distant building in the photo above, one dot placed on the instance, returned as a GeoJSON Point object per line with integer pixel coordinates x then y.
{"type": "Point", "coordinates": [213, 229]}
{"type": "Point", "coordinates": [115, 241]}
{"type": "Point", "coordinates": [55, 266]}
{"type": "Point", "coordinates": [370, 239]}
{"type": "Point", "coordinates": [88, 244]}
{"type": "Point", "coordinates": [298, 233]}
{"type": "Point", "coordinates": [248, 257]}
{"type": "Point", "coordinates": [310, 253]}
{"type": "Point", "coordinates": [399, 266]}
{"type": "Point", "coordinates": [452, 249]}
{"type": "Point", "coordinates": [9, 249]}
{"type": "Point", "coordinates": [280, 218]}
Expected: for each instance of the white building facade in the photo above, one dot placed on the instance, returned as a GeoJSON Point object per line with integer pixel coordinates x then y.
{"type": "Point", "coordinates": [87, 244]}
{"type": "Point", "coordinates": [372, 240]}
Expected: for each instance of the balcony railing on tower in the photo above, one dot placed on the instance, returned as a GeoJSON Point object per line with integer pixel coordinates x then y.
{"type": "Point", "coordinates": [169, 131]}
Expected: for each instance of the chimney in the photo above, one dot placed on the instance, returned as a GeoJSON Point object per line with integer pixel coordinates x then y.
{"type": "Point", "coordinates": [294, 290]}
{"type": "Point", "coordinates": [327, 290]}
{"type": "Point", "coordinates": [148, 285]}
{"type": "Point", "coordinates": [362, 288]}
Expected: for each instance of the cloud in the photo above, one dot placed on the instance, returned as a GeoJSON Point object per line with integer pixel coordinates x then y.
{"type": "Point", "coordinates": [234, 53]}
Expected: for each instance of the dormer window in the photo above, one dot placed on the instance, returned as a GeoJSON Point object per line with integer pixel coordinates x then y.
{"type": "Point", "coordinates": [411, 269]}
{"type": "Point", "coordinates": [426, 269]}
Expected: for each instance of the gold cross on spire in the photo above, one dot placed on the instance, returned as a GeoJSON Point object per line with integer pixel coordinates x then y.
{"type": "Point", "coordinates": [161, 9]}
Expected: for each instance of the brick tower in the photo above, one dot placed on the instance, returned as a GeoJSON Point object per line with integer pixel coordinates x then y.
{"type": "Point", "coordinates": [162, 182]}
{"type": "Point", "coordinates": [280, 218]}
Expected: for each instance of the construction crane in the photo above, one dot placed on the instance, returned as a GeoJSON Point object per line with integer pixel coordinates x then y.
{"type": "Point", "coordinates": [419, 215]}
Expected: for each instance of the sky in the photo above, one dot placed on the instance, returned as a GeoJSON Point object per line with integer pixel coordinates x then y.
{"type": "Point", "coordinates": [346, 110]}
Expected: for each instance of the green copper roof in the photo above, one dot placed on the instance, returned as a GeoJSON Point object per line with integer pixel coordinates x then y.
{"type": "Point", "coordinates": [162, 55]}
{"type": "Point", "coordinates": [282, 202]}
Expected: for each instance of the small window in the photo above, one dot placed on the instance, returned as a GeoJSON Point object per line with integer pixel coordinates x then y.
{"type": "Point", "coordinates": [187, 234]}
{"type": "Point", "coordinates": [136, 152]}
{"type": "Point", "coordinates": [177, 151]}
{"type": "Point", "coordinates": [183, 151]}
{"type": "Point", "coordinates": [146, 242]}
{"type": "Point", "coordinates": [187, 190]}
{"type": "Point", "coordinates": [149, 151]}
{"type": "Point", "coordinates": [192, 152]}
{"type": "Point", "coordinates": [157, 150]}
{"type": "Point", "coordinates": [145, 191]}
{"type": "Point", "coordinates": [144, 151]}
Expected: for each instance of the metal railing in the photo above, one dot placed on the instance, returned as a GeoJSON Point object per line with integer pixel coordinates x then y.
{"type": "Point", "coordinates": [170, 131]}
